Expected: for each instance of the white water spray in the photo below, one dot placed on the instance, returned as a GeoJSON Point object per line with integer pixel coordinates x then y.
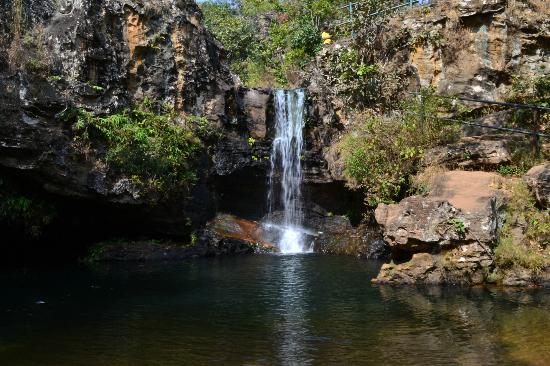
{"type": "Point", "coordinates": [286, 164]}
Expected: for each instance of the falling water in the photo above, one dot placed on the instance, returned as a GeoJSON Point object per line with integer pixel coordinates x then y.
{"type": "Point", "coordinates": [286, 164]}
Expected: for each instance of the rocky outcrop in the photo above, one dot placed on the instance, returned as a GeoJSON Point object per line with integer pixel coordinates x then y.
{"type": "Point", "coordinates": [475, 47]}
{"type": "Point", "coordinates": [538, 179]}
{"type": "Point", "coordinates": [102, 56]}
{"type": "Point", "coordinates": [463, 48]}
{"type": "Point", "coordinates": [479, 152]}
{"type": "Point", "coordinates": [446, 236]}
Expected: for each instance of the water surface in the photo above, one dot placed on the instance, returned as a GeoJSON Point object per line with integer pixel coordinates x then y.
{"type": "Point", "coordinates": [261, 310]}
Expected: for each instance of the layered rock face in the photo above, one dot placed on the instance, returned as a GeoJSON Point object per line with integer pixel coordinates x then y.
{"type": "Point", "coordinates": [445, 237]}
{"type": "Point", "coordinates": [476, 47]}
{"type": "Point", "coordinates": [466, 48]}
{"type": "Point", "coordinates": [102, 56]}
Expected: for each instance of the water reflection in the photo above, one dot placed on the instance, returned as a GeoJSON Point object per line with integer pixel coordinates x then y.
{"type": "Point", "coordinates": [480, 326]}
{"type": "Point", "coordinates": [291, 328]}
{"type": "Point", "coordinates": [262, 310]}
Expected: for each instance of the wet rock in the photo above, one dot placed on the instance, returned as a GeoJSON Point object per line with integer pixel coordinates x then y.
{"type": "Point", "coordinates": [518, 277]}
{"type": "Point", "coordinates": [235, 154]}
{"type": "Point", "coordinates": [225, 235]}
{"type": "Point", "coordinates": [467, 264]}
{"type": "Point", "coordinates": [334, 234]}
{"type": "Point", "coordinates": [228, 234]}
{"type": "Point", "coordinates": [377, 247]}
{"type": "Point", "coordinates": [538, 179]}
{"type": "Point", "coordinates": [446, 236]}
{"type": "Point", "coordinates": [145, 251]}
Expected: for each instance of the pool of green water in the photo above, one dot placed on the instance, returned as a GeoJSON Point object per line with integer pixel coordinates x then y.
{"type": "Point", "coordinates": [261, 310]}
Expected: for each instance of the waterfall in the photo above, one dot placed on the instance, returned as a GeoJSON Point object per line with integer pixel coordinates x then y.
{"type": "Point", "coordinates": [285, 177]}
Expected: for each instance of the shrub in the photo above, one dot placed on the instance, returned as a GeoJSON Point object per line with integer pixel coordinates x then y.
{"type": "Point", "coordinates": [32, 214]}
{"type": "Point", "coordinates": [360, 81]}
{"type": "Point", "coordinates": [526, 251]}
{"type": "Point", "coordinates": [148, 143]}
{"type": "Point", "coordinates": [510, 254]}
{"type": "Point", "coordinates": [531, 91]}
{"type": "Point", "coordinates": [381, 154]}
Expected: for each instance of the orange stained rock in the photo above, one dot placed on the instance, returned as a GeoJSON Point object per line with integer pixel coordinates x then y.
{"type": "Point", "coordinates": [466, 190]}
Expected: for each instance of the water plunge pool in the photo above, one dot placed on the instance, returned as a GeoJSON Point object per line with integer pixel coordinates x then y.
{"type": "Point", "coordinates": [261, 310]}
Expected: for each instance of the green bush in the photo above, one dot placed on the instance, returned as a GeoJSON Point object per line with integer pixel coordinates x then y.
{"type": "Point", "coordinates": [531, 91]}
{"type": "Point", "coordinates": [360, 83]}
{"type": "Point", "coordinates": [530, 252]}
{"type": "Point", "coordinates": [510, 254]}
{"type": "Point", "coordinates": [149, 143]}
{"type": "Point", "coordinates": [32, 214]}
{"type": "Point", "coordinates": [381, 154]}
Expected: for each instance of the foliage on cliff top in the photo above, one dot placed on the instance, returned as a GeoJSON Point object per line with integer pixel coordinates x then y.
{"type": "Point", "coordinates": [361, 84]}
{"type": "Point", "coordinates": [381, 154]}
{"type": "Point", "coordinates": [269, 42]}
{"type": "Point", "coordinates": [531, 250]}
{"type": "Point", "coordinates": [149, 143]}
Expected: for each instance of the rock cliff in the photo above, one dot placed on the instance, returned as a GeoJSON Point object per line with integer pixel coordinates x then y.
{"type": "Point", "coordinates": [466, 48]}
{"type": "Point", "coordinates": [104, 56]}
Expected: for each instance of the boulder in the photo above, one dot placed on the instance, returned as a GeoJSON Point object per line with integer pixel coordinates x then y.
{"type": "Point", "coordinates": [471, 153]}
{"type": "Point", "coordinates": [538, 179]}
{"type": "Point", "coordinates": [454, 227]}
{"type": "Point", "coordinates": [461, 207]}
{"type": "Point", "coordinates": [228, 234]}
